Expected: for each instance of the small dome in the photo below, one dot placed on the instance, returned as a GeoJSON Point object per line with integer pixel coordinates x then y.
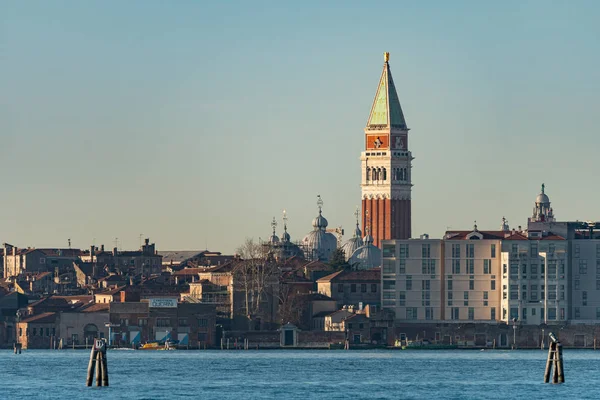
{"type": "Point", "coordinates": [285, 237]}
{"type": "Point", "coordinates": [320, 222]}
{"type": "Point", "coordinates": [273, 239]}
{"type": "Point", "coordinates": [542, 198]}
{"type": "Point", "coordinates": [366, 257]}
{"type": "Point", "coordinates": [351, 245]}
{"type": "Point", "coordinates": [368, 239]}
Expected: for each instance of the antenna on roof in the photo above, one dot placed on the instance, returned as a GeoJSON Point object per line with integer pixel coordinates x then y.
{"type": "Point", "coordinates": [69, 240]}
{"type": "Point", "coordinates": [141, 235]}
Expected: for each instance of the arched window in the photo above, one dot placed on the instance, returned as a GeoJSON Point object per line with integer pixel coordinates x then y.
{"type": "Point", "coordinates": [384, 174]}
{"type": "Point", "coordinates": [368, 173]}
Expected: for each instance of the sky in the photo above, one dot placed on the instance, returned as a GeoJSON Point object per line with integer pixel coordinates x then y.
{"type": "Point", "coordinates": [194, 123]}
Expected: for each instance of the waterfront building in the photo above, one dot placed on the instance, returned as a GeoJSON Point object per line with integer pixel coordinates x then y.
{"type": "Point", "coordinates": [386, 166]}
{"type": "Point", "coordinates": [543, 274]}
{"type": "Point", "coordinates": [192, 324]}
{"type": "Point", "coordinates": [352, 288]}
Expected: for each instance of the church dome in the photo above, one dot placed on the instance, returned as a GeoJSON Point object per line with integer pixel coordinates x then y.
{"type": "Point", "coordinates": [285, 237]}
{"type": "Point", "coordinates": [319, 245]}
{"type": "Point", "coordinates": [320, 221]}
{"type": "Point", "coordinates": [354, 242]}
{"type": "Point", "coordinates": [273, 239]}
{"type": "Point", "coordinates": [366, 257]}
{"type": "Point", "coordinates": [351, 245]}
{"type": "Point", "coordinates": [542, 198]}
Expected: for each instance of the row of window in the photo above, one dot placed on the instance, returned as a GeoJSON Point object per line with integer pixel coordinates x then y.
{"type": "Point", "coordinates": [577, 312]}
{"type": "Point", "coordinates": [514, 313]}
{"type": "Point", "coordinates": [363, 287]}
{"type": "Point", "coordinates": [164, 322]}
{"type": "Point", "coordinates": [38, 332]}
{"type": "Point", "coordinates": [533, 271]}
{"type": "Point", "coordinates": [533, 248]}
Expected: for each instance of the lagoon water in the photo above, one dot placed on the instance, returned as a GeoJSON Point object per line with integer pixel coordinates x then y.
{"type": "Point", "coordinates": [299, 374]}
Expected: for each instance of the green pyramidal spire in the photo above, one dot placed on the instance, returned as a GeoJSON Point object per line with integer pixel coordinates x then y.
{"type": "Point", "coordinates": [386, 111]}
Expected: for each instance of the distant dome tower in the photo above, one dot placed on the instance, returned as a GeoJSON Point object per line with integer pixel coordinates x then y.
{"type": "Point", "coordinates": [286, 236]}
{"type": "Point", "coordinates": [355, 241]}
{"type": "Point", "coordinates": [319, 244]}
{"type": "Point", "coordinates": [542, 211]}
{"type": "Point", "coordinates": [273, 239]}
{"type": "Point", "coordinates": [284, 248]}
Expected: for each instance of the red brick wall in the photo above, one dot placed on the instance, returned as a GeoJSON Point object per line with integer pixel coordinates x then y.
{"type": "Point", "coordinates": [387, 219]}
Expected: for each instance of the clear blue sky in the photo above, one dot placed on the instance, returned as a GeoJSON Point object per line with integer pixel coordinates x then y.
{"type": "Point", "coordinates": [196, 122]}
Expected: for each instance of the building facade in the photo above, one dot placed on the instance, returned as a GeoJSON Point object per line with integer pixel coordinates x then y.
{"type": "Point", "coordinates": [386, 166]}
{"type": "Point", "coordinates": [548, 273]}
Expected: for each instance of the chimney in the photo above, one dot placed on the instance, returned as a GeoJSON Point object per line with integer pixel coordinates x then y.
{"type": "Point", "coordinates": [15, 251]}
{"type": "Point", "coordinates": [102, 247]}
{"type": "Point", "coordinates": [147, 241]}
{"type": "Point", "coordinates": [114, 252]}
{"type": "Point", "coordinates": [92, 253]}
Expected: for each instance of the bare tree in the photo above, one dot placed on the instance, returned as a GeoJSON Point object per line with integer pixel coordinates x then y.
{"type": "Point", "coordinates": [258, 277]}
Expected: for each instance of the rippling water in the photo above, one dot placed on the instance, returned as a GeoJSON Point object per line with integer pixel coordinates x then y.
{"type": "Point", "coordinates": [299, 374]}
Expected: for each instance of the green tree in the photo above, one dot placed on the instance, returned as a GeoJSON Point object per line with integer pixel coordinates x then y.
{"type": "Point", "coordinates": [338, 260]}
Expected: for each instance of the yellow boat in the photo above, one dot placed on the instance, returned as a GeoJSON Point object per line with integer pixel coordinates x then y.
{"type": "Point", "coordinates": [152, 346]}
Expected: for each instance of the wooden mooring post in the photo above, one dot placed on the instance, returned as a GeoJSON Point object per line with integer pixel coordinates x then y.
{"type": "Point", "coordinates": [17, 348]}
{"type": "Point", "coordinates": [98, 364]}
{"type": "Point", "coordinates": [554, 364]}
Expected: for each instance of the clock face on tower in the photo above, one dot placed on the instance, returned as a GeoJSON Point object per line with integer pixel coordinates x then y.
{"type": "Point", "coordinates": [377, 142]}
{"type": "Point", "coordinates": [399, 143]}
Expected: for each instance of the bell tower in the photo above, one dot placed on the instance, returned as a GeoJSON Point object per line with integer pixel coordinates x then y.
{"type": "Point", "coordinates": [386, 166]}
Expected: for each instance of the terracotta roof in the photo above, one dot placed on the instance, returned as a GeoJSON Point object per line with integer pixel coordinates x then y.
{"type": "Point", "coordinates": [71, 253]}
{"type": "Point", "coordinates": [317, 266]}
{"type": "Point", "coordinates": [227, 267]}
{"type": "Point", "coordinates": [112, 292]}
{"type": "Point", "coordinates": [189, 272]}
{"type": "Point", "coordinates": [516, 236]}
{"type": "Point", "coordinates": [367, 275]}
{"type": "Point", "coordinates": [96, 307]}
{"type": "Point", "coordinates": [552, 236]}
{"type": "Point", "coordinates": [462, 235]}
{"type": "Point", "coordinates": [43, 318]}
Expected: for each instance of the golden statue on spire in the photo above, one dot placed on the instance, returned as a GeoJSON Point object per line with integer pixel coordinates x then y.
{"type": "Point", "coordinates": [386, 56]}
